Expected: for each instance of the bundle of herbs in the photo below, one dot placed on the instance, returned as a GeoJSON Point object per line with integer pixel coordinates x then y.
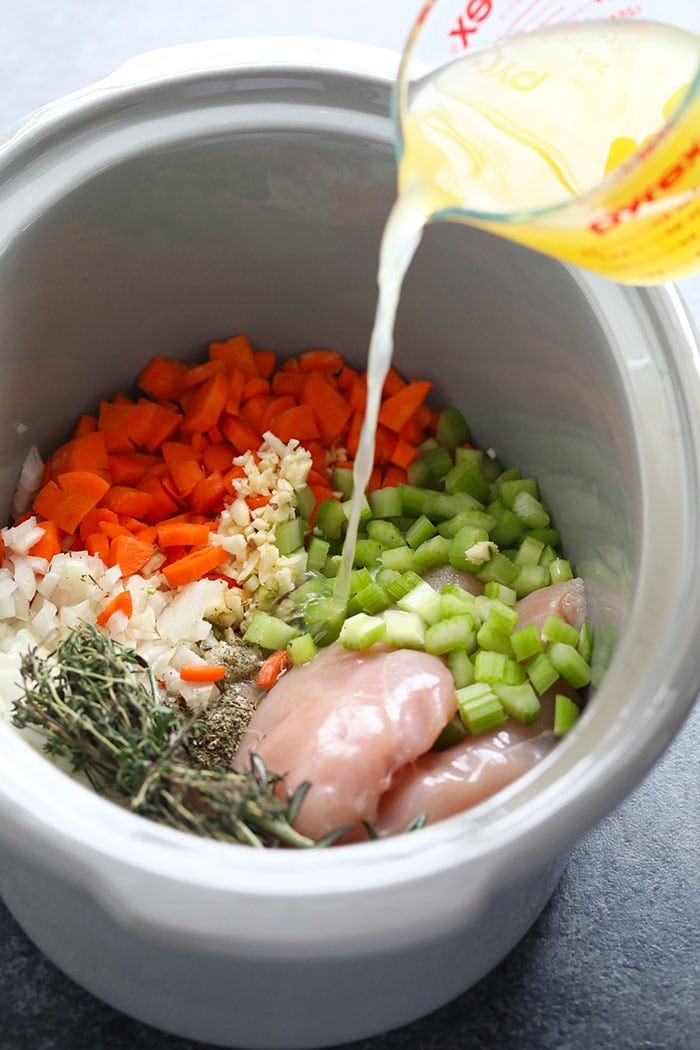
{"type": "Point", "coordinates": [96, 703]}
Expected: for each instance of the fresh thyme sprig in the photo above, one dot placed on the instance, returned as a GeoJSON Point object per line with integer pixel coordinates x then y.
{"type": "Point", "coordinates": [96, 703]}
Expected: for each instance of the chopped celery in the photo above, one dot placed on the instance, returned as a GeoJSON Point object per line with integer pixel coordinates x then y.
{"type": "Point", "coordinates": [399, 558]}
{"type": "Point", "coordinates": [453, 605]}
{"type": "Point", "coordinates": [529, 551]}
{"type": "Point", "coordinates": [494, 589]}
{"type": "Point", "coordinates": [331, 566]}
{"type": "Point", "coordinates": [479, 518]}
{"type": "Point", "coordinates": [405, 630]}
{"type": "Point", "coordinates": [547, 556]}
{"type": "Point", "coordinates": [560, 571]}
{"type": "Point", "coordinates": [415, 500]}
{"type": "Point", "coordinates": [585, 641]}
{"type": "Point", "coordinates": [569, 663]}
{"type": "Point", "coordinates": [318, 552]}
{"type": "Point", "coordinates": [490, 666]}
{"type": "Point", "coordinates": [302, 649]}
{"type": "Point", "coordinates": [311, 588]}
{"type": "Point", "coordinates": [479, 708]}
{"type": "Point", "coordinates": [454, 733]}
{"type": "Point", "coordinates": [554, 629]}
{"type": "Point", "coordinates": [502, 617]}
{"type": "Point", "coordinates": [368, 552]}
{"type": "Point", "coordinates": [360, 631]}
{"type": "Point", "coordinates": [566, 714]}
{"type": "Point", "coordinates": [461, 668]}
{"type": "Point", "coordinates": [550, 537]}
{"type": "Point", "coordinates": [385, 533]}
{"type": "Point", "coordinates": [508, 529]}
{"type": "Point", "coordinates": [432, 553]}
{"type": "Point", "coordinates": [466, 539]}
{"type": "Point", "coordinates": [269, 632]}
{"type": "Point", "coordinates": [443, 505]}
{"type": "Point", "coordinates": [464, 477]}
{"type": "Point", "coordinates": [289, 535]}
{"type": "Point", "coordinates": [530, 578]}
{"type": "Point", "coordinates": [421, 530]}
{"type": "Point", "coordinates": [342, 480]}
{"type": "Point", "coordinates": [604, 642]}
{"type": "Point", "coordinates": [306, 501]}
{"type": "Point", "coordinates": [530, 511]}
{"type": "Point", "coordinates": [452, 429]}
{"type": "Point", "coordinates": [542, 672]}
{"type": "Point", "coordinates": [510, 489]}
{"type": "Point", "coordinates": [359, 578]}
{"type": "Point", "coordinates": [386, 503]}
{"type": "Point", "coordinates": [490, 466]}
{"type": "Point", "coordinates": [526, 642]}
{"type": "Point", "coordinates": [473, 456]}
{"type": "Point", "coordinates": [374, 598]}
{"type": "Point", "coordinates": [419, 472]}
{"type": "Point", "coordinates": [386, 576]}
{"type": "Point", "coordinates": [404, 583]}
{"type": "Point", "coordinates": [455, 633]}
{"type": "Point", "coordinates": [324, 618]}
{"type": "Point", "coordinates": [439, 461]}
{"type": "Point", "coordinates": [519, 701]}
{"type": "Point", "coordinates": [365, 510]}
{"type": "Point", "coordinates": [424, 600]}
{"type": "Point", "coordinates": [498, 569]}
{"type": "Point", "coordinates": [494, 640]}
{"type": "Point", "coordinates": [330, 519]}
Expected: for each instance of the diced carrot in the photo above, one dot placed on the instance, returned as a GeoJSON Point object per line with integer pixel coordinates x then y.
{"type": "Point", "coordinates": [161, 378]}
{"type": "Point", "coordinates": [195, 375]}
{"type": "Point", "coordinates": [254, 409]}
{"type": "Point", "coordinates": [122, 399]}
{"type": "Point", "coordinates": [218, 457]}
{"type": "Point", "coordinates": [80, 492]}
{"type": "Point", "coordinates": [113, 423]}
{"type": "Point", "coordinates": [236, 382]}
{"type": "Point", "coordinates": [230, 477]}
{"type": "Point", "coordinates": [130, 554]}
{"type": "Point", "coordinates": [271, 670]}
{"type": "Point", "coordinates": [423, 417]}
{"type": "Point", "coordinates": [127, 468]}
{"type": "Point", "coordinates": [320, 361]}
{"type": "Point", "coordinates": [145, 533]}
{"type": "Point", "coordinates": [202, 673]}
{"type": "Point", "coordinates": [215, 436]}
{"type": "Point", "coordinates": [255, 502]}
{"type": "Point", "coordinates": [97, 543]}
{"type": "Point", "coordinates": [316, 477]}
{"type": "Point", "coordinates": [162, 504]}
{"type": "Point", "coordinates": [277, 405]}
{"type": "Point", "coordinates": [50, 542]}
{"type": "Point", "coordinates": [93, 519]}
{"type": "Point", "coordinates": [375, 480]}
{"type": "Point", "coordinates": [318, 455]}
{"type": "Point", "coordinates": [291, 364]}
{"type": "Point", "coordinates": [85, 425]}
{"type": "Point", "coordinates": [255, 387]}
{"type": "Point", "coordinates": [394, 476]}
{"type": "Point", "coordinates": [404, 454]}
{"type": "Point", "coordinates": [412, 433]}
{"type": "Point", "coordinates": [396, 411]}
{"type": "Point", "coordinates": [208, 494]}
{"type": "Point", "coordinates": [242, 436]}
{"type": "Point", "coordinates": [352, 439]}
{"type": "Point", "coordinates": [207, 406]}
{"type": "Point", "coordinates": [200, 443]}
{"type": "Point", "coordinates": [46, 499]}
{"type": "Point", "coordinates": [120, 603]}
{"type": "Point", "coordinates": [265, 362]}
{"type": "Point", "coordinates": [358, 393]}
{"type": "Point", "coordinates": [298, 422]}
{"type": "Point", "coordinates": [164, 425]}
{"type": "Point", "coordinates": [114, 528]}
{"type": "Point", "coordinates": [331, 409]}
{"type": "Point", "coordinates": [193, 566]}
{"type": "Point", "coordinates": [286, 382]}
{"type": "Point", "coordinates": [87, 452]}
{"type": "Point", "coordinates": [182, 533]}
{"type": "Point", "coordinates": [384, 444]}
{"type": "Point", "coordinates": [346, 378]}
{"type": "Point", "coordinates": [392, 384]}
{"type": "Point", "coordinates": [237, 353]}
{"type": "Point", "coordinates": [126, 501]}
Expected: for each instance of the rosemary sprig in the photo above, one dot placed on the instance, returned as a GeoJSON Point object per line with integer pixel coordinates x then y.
{"type": "Point", "coordinates": [96, 703]}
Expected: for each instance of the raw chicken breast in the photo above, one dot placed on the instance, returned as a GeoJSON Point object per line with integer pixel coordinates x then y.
{"type": "Point", "coordinates": [566, 600]}
{"type": "Point", "coordinates": [442, 783]}
{"type": "Point", "coordinates": [442, 575]}
{"type": "Point", "coordinates": [347, 722]}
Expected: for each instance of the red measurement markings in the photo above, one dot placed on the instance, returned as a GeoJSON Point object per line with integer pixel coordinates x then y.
{"type": "Point", "coordinates": [475, 12]}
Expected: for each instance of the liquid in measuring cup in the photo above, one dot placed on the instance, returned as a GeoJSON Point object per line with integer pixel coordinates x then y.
{"type": "Point", "coordinates": [581, 141]}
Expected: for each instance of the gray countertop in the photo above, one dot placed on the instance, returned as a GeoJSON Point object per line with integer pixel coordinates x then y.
{"type": "Point", "coordinates": [612, 962]}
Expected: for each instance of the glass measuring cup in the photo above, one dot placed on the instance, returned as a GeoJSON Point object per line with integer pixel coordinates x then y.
{"type": "Point", "coordinates": [578, 138]}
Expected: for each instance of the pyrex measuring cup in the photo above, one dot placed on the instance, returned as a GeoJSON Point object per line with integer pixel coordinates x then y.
{"type": "Point", "coordinates": [581, 140]}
